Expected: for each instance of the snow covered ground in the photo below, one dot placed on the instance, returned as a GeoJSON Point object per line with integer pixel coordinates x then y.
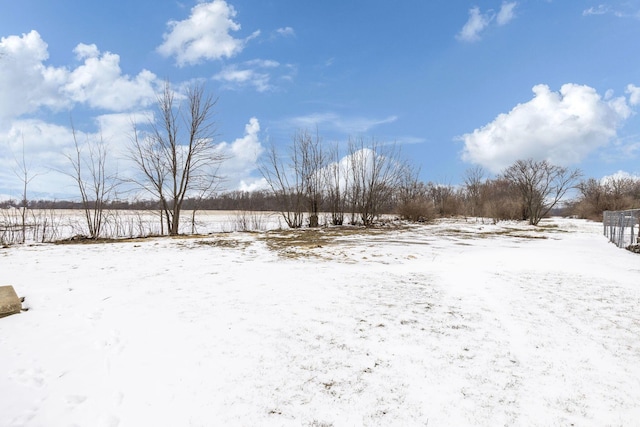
{"type": "Point", "coordinates": [50, 225]}
{"type": "Point", "coordinates": [456, 323]}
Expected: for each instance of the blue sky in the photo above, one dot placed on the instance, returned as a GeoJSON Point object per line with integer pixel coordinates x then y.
{"type": "Point", "coordinates": [454, 83]}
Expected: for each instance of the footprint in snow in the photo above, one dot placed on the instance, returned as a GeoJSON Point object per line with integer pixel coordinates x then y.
{"type": "Point", "coordinates": [75, 400]}
{"type": "Point", "coordinates": [34, 378]}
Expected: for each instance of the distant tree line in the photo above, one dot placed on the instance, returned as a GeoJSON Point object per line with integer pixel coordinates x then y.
{"type": "Point", "coordinates": [260, 200]}
{"type": "Point", "coordinates": [512, 195]}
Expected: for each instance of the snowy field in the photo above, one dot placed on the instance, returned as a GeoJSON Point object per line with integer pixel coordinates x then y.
{"type": "Point", "coordinates": [452, 324]}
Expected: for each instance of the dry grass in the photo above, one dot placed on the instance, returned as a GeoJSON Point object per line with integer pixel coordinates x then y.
{"type": "Point", "coordinates": [298, 243]}
{"type": "Point", "coordinates": [83, 240]}
{"type": "Point", "coordinates": [302, 242]}
{"type": "Point", "coordinates": [224, 243]}
{"type": "Point", "coordinates": [514, 232]}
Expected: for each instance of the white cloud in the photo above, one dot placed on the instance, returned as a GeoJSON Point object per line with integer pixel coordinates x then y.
{"type": "Point", "coordinates": [99, 82]}
{"type": "Point", "coordinates": [598, 10]}
{"type": "Point", "coordinates": [44, 146]}
{"type": "Point", "coordinates": [253, 184]}
{"type": "Point", "coordinates": [243, 153]}
{"type": "Point", "coordinates": [620, 10]}
{"type": "Point", "coordinates": [116, 130]}
{"type": "Point", "coordinates": [27, 84]}
{"type": "Point", "coordinates": [506, 13]}
{"type": "Point", "coordinates": [122, 123]}
{"type": "Point", "coordinates": [286, 32]}
{"type": "Point", "coordinates": [235, 77]}
{"type": "Point", "coordinates": [256, 73]}
{"type": "Point", "coordinates": [407, 140]}
{"type": "Point", "coordinates": [634, 94]}
{"type": "Point", "coordinates": [365, 157]}
{"type": "Point", "coordinates": [475, 25]}
{"type": "Point", "coordinates": [620, 175]}
{"type": "Point", "coordinates": [205, 35]}
{"type": "Point", "coordinates": [478, 21]}
{"type": "Point", "coordinates": [264, 63]}
{"type": "Point", "coordinates": [562, 127]}
{"type": "Point", "coordinates": [333, 121]}
{"type": "Point", "coordinates": [247, 149]}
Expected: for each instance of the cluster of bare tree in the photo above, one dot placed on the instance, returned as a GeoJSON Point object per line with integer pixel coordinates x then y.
{"type": "Point", "coordinates": [372, 179]}
{"type": "Point", "coordinates": [526, 190]}
{"type": "Point", "coordinates": [613, 193]}
{"type": "Point", "coordinates": [355, 188]}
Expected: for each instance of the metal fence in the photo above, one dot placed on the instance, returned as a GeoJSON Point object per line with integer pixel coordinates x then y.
{"type": "Point", "coordinates": [622, 227]}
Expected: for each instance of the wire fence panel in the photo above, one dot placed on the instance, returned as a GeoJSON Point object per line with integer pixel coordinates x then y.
{"type": "Point", "coordinates": [622, 227]}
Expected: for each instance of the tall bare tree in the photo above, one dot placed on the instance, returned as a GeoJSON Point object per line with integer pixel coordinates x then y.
{"type": "Point", "coordinates": [95, 184]}
{"type": "Point", "coordinates": [179, 157]}
{"type": "Point", "coordinates": [541, 185]}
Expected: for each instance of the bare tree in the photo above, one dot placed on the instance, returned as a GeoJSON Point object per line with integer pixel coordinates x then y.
{"type": "Point", "coordinates": [412, 201]}
{"type": "Point", "coordinates": [23, 172]}
{"type": "Point", "coordinates": [592, 201]}
{"type": "Point", "coordinates": [95, 184]}
{"type": "Point", "coordinates": [366, 180]}
{"type": "Point", "coordinates": [287, 183]}
{"type": "Point", "coordinates": [610, 193]}
{"type": "Point", "coordinates": [473, 180]}
{"type": "Point", "coordinates": [376, 170]}
{"type": "Point", "coordinates": [619, 190]}
{"type": "Point", "coordinates": [336, 182]}
{"type": "Point", "coordinates": [500, 200]}
{"type": "Point", "coordinates": [310, 168]}
{"type": "Point", "coordinates": [541, 186]}
{"type": "Point", "coordinates": [446, 199]}
{"type": "Point", "coordinates": [179, 157]}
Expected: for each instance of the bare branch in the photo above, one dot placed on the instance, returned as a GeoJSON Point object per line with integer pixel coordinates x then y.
{"type": "Point", "coordinates": [541, 185]}
{"type": "Point", "coordinates": [94, 183]}
{"type": "Point", "coordinates": [178, 158]}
